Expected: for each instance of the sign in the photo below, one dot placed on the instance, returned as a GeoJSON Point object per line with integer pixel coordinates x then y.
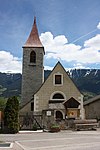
{"type": "Point", "coordinates": [48, 113]}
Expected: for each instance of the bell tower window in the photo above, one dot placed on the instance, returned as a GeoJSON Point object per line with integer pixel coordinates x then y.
{"type": "Point", "coordinates": [32, 57]}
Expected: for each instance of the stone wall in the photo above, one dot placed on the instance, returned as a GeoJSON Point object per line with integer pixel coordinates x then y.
{"type": "Point", "coordinates": [32, 73]}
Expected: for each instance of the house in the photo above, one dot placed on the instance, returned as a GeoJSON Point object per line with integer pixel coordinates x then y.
{"type": "Point", "coordinates": [92, 108]}
{"type": "Point", "coordinates": [55, 99]}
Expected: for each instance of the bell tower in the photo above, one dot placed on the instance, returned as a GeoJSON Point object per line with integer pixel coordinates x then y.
{"type": "Point", "coordinates": [33, 70]}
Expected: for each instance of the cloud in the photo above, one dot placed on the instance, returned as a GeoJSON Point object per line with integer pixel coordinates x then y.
{"type": "Point", "coordinates": [98, 26]}
{"type": "Point", "coordinates": [48, 68]}
{"type": "Point", "coordinates": [9, 63]}
{"type": "Point", "coordinates": [52, 44]}
{"type": "Point", "coordinates": [59, 48]}
{"type": "Point", "coordinates": [93, 42]}
{"type": "Point", "coordinates": [80, 66]}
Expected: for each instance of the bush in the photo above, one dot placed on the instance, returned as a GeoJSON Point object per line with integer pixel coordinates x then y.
{"type": "Point", "coordinates": [35, 127]}
{"type": "Point", "coordinates": [11, 118]}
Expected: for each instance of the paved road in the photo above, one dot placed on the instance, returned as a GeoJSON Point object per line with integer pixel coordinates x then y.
{"type": "Point", "coordinates": [64, 140]}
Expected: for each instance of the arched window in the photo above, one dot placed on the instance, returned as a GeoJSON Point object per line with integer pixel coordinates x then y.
{"type": "Point", "coordinates": [33, 57]}
{"type": "Point", "coordinates": [58, 96]}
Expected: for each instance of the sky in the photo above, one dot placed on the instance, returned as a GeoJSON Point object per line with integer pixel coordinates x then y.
{"type": "Point", "coordinates": [69, 31]}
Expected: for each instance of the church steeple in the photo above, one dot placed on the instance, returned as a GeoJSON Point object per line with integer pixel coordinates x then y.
{"type": "Point", "coordinates": [33, 39]}
{"type": "Point", "coordinates": [33, 70]}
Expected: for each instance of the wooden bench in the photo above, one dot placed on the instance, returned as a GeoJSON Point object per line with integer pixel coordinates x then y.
{"type": "Point", "coordinates": [87, 124]}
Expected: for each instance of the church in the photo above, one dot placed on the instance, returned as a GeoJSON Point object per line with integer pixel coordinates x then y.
{"type": "Point", "coordinates": [55, 99]}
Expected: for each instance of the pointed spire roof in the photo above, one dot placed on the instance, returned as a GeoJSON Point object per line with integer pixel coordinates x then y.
{"type": "Point", "coordinates": [33, 39]}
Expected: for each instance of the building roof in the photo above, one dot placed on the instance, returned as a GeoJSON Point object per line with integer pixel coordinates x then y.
{"type": "Point", "coordinates": [58, 64]}
{"type": "Point", "coordinates": [33, 39]}
{"type": "Point", "coordinates": [91, 100]}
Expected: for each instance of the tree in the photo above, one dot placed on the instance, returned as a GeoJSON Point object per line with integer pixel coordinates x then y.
{"type": "Point", "coordinates": [11, 118]}
{"type": "Point", "coordinates": [2, 103]}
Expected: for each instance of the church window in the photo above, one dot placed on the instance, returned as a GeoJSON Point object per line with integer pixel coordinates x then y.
{"type": "Point", "coordinates": [58, 96]}
{"type": "Point", "coordinates": [33, 57]}
{"type": "Point", "coordinates": [58, 79]}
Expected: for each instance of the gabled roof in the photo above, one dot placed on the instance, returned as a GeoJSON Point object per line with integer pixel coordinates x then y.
{"type": "Point", "coordinates": [71, 99]}
{"type": "Point", "coordinates": [91, 100]}
{"type": "Point", "coordinates": [33, 39]}
{"type": "Point", "coordinates": [58, 64]}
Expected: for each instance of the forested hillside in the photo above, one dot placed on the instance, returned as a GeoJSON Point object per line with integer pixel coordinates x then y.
{"type": "Point", "coordinates": [88, 81]}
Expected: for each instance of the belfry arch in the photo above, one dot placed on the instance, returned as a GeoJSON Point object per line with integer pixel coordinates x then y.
{"type": "Point", "coordinates": [33, 57]}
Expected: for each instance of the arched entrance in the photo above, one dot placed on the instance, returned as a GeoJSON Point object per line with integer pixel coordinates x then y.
{"type": "Point", "coordinates": [59, 115]}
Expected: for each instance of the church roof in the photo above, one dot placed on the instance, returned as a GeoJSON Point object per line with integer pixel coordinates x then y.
{"type": "Point", "coordinates": [58, 65]}
{"type": "Point", "coordinates": [33, 39]}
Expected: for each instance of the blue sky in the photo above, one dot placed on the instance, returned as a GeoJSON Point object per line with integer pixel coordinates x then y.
{"type": "Point", "coordinates": [68, 29]}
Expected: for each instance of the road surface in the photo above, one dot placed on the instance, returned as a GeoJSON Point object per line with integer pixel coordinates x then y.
{"type": "Point", "coordinates": [64, 140]}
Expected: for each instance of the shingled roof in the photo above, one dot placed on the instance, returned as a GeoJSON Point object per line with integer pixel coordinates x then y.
{"type": "Point", "coordinates": [91, 100]}
{"type": "Point", "coordinates": [33, 39]}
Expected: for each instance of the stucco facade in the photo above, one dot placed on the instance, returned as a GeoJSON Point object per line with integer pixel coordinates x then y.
{"type": "Point", "coordinates": [43, 98]}
{"type": "Point", "coordinates": [48, 89]}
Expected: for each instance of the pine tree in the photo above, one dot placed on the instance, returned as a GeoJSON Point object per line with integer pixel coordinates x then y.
{"type": "Point", "coordinates": [11, 118]}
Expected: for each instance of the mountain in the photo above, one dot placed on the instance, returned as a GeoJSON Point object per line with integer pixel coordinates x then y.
{"type": "Point", "coordinates": [87, 80]}
{"type": "Point", "coordinates": [10, 84]}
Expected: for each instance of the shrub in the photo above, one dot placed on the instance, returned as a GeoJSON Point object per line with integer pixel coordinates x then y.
{"type": "Point", "coordinates": [35, 127]}
{"type": "Point", "coordinates": [11, 118]}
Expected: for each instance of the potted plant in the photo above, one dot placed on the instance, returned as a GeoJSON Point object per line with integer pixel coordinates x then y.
{"type": "Point", "coordinates": [54, 128]}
